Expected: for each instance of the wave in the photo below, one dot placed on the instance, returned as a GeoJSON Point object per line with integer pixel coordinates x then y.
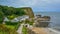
{"type": "Point", "coordinates": [53, 30]}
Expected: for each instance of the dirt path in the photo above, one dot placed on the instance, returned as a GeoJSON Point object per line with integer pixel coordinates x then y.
{"type": "Point", "coordinates": [20, 29]}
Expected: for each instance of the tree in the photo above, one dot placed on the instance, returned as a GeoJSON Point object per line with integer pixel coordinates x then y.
{"type": "Point", "coordinates": [11, 12]}
{"type": "Point", "coordinates": [19, 12]}
{"type": "Point", "coordinates": [1, 16]}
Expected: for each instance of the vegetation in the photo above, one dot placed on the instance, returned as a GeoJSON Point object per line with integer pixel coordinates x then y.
{"type": "Point", "coordinates": [28, 11]}
{"type": "Point", "coordinates": [10, 13]}
{"type": "Point", "coordinates": [24, 30]}
{"type": "Point", "coordinates": [11, 23]}
{"type": "Point", "coordinates": [29, 22]}
{"type": "Point", "coordinates": [1, 17]}
{"type": "Point", "coordinates": [13, 26]}
{"type": "Point", "coordinates": [5, 30]}
{"type": "Point", "coordinates": [9, 28]}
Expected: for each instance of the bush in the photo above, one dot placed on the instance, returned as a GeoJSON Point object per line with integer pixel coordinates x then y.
{"type": "Point", "coordinates": [29, 22]}
{"type": "Point", "coordinates": [1, 17]}
{"type": "Point", "coordinates": [11, 23]}
{"type": "Point", "coordinates": [24, 30]}
{"type": "Point", "coordinates": [17, 26]}
{"type": "Point", "coordinates": [5, 30]}
{"type": "Point", "coordinates": [14, 25]}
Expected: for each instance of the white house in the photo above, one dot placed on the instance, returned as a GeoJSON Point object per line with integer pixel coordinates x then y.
{"type": "Point", "coordinates": [6, 19]}
{"type": "Point", "coordinates": [20, 18]}
{"type": "Point", "coordinates": [15, 20]}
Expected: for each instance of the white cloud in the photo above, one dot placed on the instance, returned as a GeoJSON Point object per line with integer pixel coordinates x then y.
{"type": "Point", "coordinates": [37, 2]}
{"type": "Point", "coordinates": [33, 3]}
{"type": "Point", "coordinates": [29, 2]}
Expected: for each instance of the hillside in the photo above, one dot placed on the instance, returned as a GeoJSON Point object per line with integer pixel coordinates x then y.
{"type": "Point", "coordinates": [28, 11]}
{"type": "Point", "coordinates": [17, 11]}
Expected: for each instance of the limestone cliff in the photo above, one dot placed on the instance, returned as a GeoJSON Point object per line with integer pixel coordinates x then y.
{"type": "Point", "coordinates": [28, 11]}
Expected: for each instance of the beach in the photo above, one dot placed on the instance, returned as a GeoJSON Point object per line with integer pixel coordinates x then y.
{"type": "Point", "coordinates": [38, 30]}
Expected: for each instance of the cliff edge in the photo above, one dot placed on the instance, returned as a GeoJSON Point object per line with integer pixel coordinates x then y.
{"type": "Point", "coordinates": [28, 11]}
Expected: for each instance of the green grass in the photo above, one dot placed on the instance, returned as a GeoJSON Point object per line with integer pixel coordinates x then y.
{"type": "Point", "coordinates": [24, 30]}
{"type": "Point", "coordinates": [3, 29]}
{"type": "Point", "coordinates": [4, 32]}
{"type": "Point", "coordinates": [8, 32]}
{"type": "Point", "coordinates": [29, 22]}
{"type": "Point", "coordinates": [7, 29]}
{"type": "Point", "coordinates": [10, 26]}
{"type": "Point", "coordinates": [13, 26]}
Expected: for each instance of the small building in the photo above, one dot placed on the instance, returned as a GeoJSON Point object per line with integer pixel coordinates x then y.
{"type": "Point", "coordinates": [20, 18]}
{"type": "Point", "coordinates": [6, 19]}
{"type": "Point", "coordinates": [17, 19]}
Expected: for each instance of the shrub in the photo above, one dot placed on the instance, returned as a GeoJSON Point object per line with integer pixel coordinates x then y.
{"type": "Point", "coordinates": [29, 22]}
{"type": "Point", "coordinates": [1, 17]}
{"type": "Point", "coordinates": [5, 30]}
{"type": "Point", "coordinates": [24, 30]}
{"type": "Point", "coordinates": [11, 23]}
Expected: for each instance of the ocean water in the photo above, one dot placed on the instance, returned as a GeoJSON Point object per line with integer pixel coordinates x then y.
{"type": "Point", "coordinates": [55, 18]}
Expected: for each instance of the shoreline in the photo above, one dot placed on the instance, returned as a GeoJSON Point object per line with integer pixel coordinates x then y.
{"type": "Point", "coordinates": [55, 31]}
{"type": "Point", "coordinates": [38, 30]}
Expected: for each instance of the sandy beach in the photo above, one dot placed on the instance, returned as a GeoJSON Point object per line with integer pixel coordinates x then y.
{"type": "Point", "coordinates": [44, 31]}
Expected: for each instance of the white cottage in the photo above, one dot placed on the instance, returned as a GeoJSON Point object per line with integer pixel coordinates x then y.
{"type": "Point", "coordinates": [6, 19]}
{"type": "Point", "coordinates": [17, 19]}
{"type": "Point", "coordinates": [20, 18]}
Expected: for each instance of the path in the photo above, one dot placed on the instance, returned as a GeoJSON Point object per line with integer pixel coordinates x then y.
{"type": "Point", "coordinates": [20, 29]}
{"type": "Point", "coordinates": [38, 30]}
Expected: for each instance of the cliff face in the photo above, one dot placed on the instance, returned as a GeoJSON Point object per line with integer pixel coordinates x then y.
{"type": "Point", "coordinates": [28, 11]}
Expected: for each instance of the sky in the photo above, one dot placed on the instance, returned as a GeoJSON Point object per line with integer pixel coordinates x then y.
{"type": "Point", "coordinates": [36, 5]}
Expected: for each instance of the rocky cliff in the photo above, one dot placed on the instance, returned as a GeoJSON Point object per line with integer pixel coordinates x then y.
{"type": "Point", "coordinates": [28, 11]}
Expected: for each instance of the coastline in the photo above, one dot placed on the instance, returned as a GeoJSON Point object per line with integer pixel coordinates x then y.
{"type": "Point", "coordinates": [53, 30]}
{"type": "Point", "coordinates": [38, 30]}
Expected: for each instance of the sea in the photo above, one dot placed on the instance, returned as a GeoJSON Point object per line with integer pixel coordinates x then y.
{"type": "Point", "coordinates": [55, 19]}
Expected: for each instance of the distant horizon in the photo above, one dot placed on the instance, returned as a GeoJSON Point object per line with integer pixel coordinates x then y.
{"type": "Point", "coordinates": [46, 11]}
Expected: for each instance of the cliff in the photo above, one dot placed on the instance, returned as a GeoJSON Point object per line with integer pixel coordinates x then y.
{"type": "Point", "coordinates": [28, 11]}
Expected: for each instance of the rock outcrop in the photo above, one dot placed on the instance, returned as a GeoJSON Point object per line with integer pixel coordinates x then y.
{"type": "Point", "coordinates": [42, 21]}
